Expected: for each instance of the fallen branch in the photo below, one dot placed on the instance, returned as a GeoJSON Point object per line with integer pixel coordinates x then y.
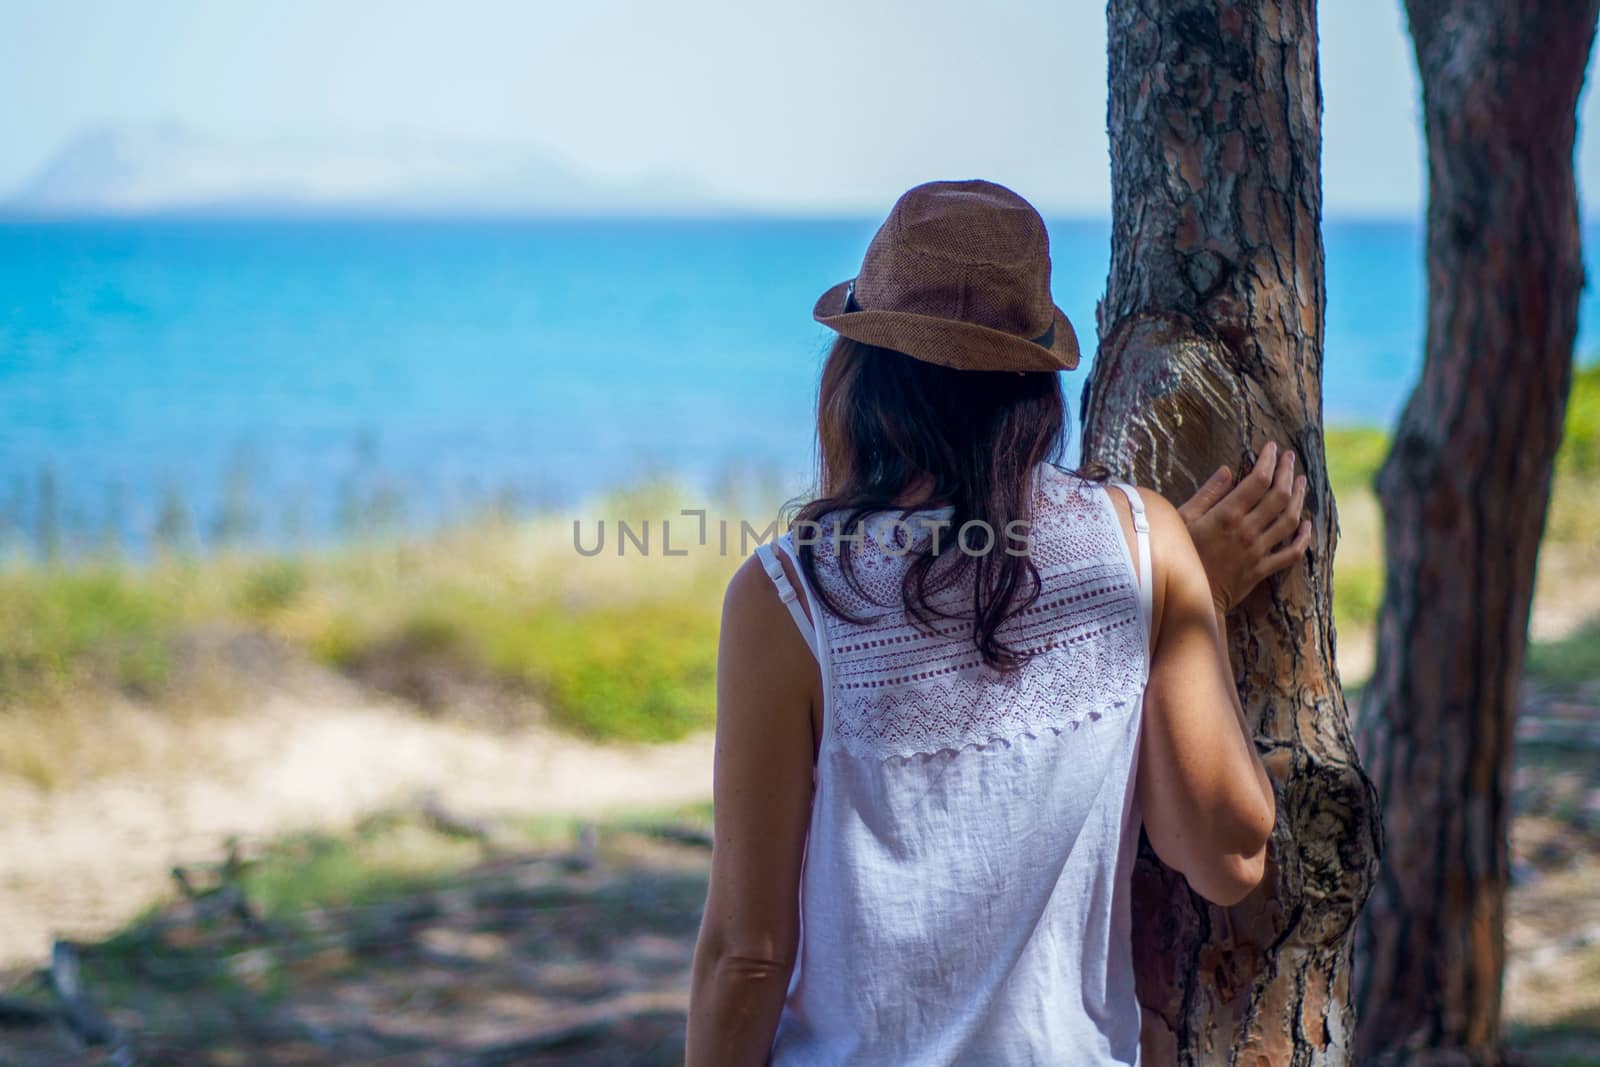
{"type": "Point", "coordinates": [452, 824]}
{"type": "Point", "coordinates": [17, 1012]}
{"type": "Point", "coordinates": [81, 1015]}
{"type": "Point", "coordinates": [587, 855]}
{"type": "Point", "coordinates": [225, 898]}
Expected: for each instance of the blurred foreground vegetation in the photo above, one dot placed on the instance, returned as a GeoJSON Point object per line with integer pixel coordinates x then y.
{"type": "Point", "coordinates": [408, 940]}
{"type": "Point", "coordinates": [413, 938]}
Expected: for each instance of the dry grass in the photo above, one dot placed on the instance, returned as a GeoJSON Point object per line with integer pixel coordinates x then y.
{"type": "Point", "coordinates": [494, 614]}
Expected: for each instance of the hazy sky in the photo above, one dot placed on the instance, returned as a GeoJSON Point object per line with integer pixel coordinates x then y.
{"type": "Point", "coordinates": [823, 105]}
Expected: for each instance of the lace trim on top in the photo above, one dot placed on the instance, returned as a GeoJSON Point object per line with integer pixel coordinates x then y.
{"type": "Point", "coordinates": [902, 689]}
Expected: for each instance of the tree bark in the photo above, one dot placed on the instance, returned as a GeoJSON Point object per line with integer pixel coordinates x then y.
{"type": "Point", "coordinates": [1464, 491]}
{"type": "Point", "coordinates": [1210, 345]}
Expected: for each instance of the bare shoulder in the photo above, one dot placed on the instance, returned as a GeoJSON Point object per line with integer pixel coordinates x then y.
{"type": "Point", "coordinates": [751, 598]}
{"type": "Point", "coordinates": [1153, 501]}
{"type": "Point", "coordinates": [1165, 522]}
{"type": "Point", "coordinates": [756, 622]}
{"type": "Point", "coordinates": [768, 681]}
{"type": "Point", "coordinates": [747, 585]}
{"type": "Point", "coordinates": [1172, 551]}
{"type": "Point", "coordinates": [1159, 508]}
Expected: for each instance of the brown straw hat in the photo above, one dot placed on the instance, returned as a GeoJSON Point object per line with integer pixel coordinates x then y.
{"type": "Point", "coordinates": [958, 275]}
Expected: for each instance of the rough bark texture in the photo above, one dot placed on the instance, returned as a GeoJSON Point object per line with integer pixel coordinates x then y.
{"type": "Point", "coordinates": [1464, 494]}
{"type": "Point", "coordinates": [1211, 344]}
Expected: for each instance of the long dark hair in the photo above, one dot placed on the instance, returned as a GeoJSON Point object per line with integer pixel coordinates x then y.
{"type": "Point", "coordinates": [889, 425]}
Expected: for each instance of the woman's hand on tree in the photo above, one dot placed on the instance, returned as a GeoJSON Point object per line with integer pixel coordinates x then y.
{"type": "Point", "coordinates": [1252, 531]}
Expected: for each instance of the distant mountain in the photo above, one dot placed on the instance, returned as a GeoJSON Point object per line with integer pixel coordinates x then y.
{"type": "Point", "coordinates": [161, 168]}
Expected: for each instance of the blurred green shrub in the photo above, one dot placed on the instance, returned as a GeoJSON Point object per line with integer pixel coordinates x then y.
{"type": "Point", "coordinates": [640, 672]}
{"type": "Point", "coordinates": [1571, 661]}
{"type": "Point", "coordinates": [637, 672]}
{"type": "Point", "coordinates": [61, 626]}
{"type": "Point", "coordinates": [272, 587]}
{"type": "Point", "coordinates": [1580, 443]}
{"type": "Point", "coordinates": [1356, 452]}
{"type": "Point", "coordinates": [1354, 455]}
{"type": "Point", "coordinates": [1357, 590]}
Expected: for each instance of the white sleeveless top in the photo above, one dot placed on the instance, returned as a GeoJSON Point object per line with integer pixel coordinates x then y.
{"type": "Point", "coordinates": [965, 897]}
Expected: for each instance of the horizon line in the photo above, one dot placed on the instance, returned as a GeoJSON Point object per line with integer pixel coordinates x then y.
{"type": "Point", "coordinates": [707, 213]}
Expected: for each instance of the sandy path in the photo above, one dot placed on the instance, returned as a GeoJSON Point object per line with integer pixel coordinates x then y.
{"type": "Point", "coordinates": [81, 861]}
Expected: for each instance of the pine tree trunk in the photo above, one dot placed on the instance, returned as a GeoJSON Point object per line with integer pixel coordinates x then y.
{"type": "Point", "coordinates": [1210, 345]}
{"type": "Point", "coordinates": [1464, 491]}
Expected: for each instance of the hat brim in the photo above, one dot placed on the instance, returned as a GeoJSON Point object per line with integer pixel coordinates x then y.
{"type": "Point", "coordinates": [948, 342]}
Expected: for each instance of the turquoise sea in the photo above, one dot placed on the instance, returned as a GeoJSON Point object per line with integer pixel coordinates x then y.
{"type": "Point", "coordinates": [269, 367]}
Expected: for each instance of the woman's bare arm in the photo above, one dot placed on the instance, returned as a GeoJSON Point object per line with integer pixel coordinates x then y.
{"type": "Point", "coordinates": [767, 683]}
{"type": "Point", "coordinates": [1207, 803]}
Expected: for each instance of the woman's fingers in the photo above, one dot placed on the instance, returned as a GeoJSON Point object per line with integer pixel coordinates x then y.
{"type": "Point", "coordinates": [1275, 501]}
{"type": "Point", "coordinates": [1289, 554]}
{"type": "Point", "coordinates": [1207, 496]}
{"type": "Point", "coordinates": [1280, 528]}
{"type": "Point", "coordinates": [1255, 485]}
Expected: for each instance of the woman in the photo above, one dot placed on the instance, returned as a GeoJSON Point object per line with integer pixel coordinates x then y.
{"type": "Point", "coordinates": [950, 698]}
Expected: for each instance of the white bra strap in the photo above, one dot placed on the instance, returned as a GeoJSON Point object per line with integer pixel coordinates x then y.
{"type": "Point", "coordinates": [1141, 533]}
{"type": "Point", "coordinates": [787, 594]}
